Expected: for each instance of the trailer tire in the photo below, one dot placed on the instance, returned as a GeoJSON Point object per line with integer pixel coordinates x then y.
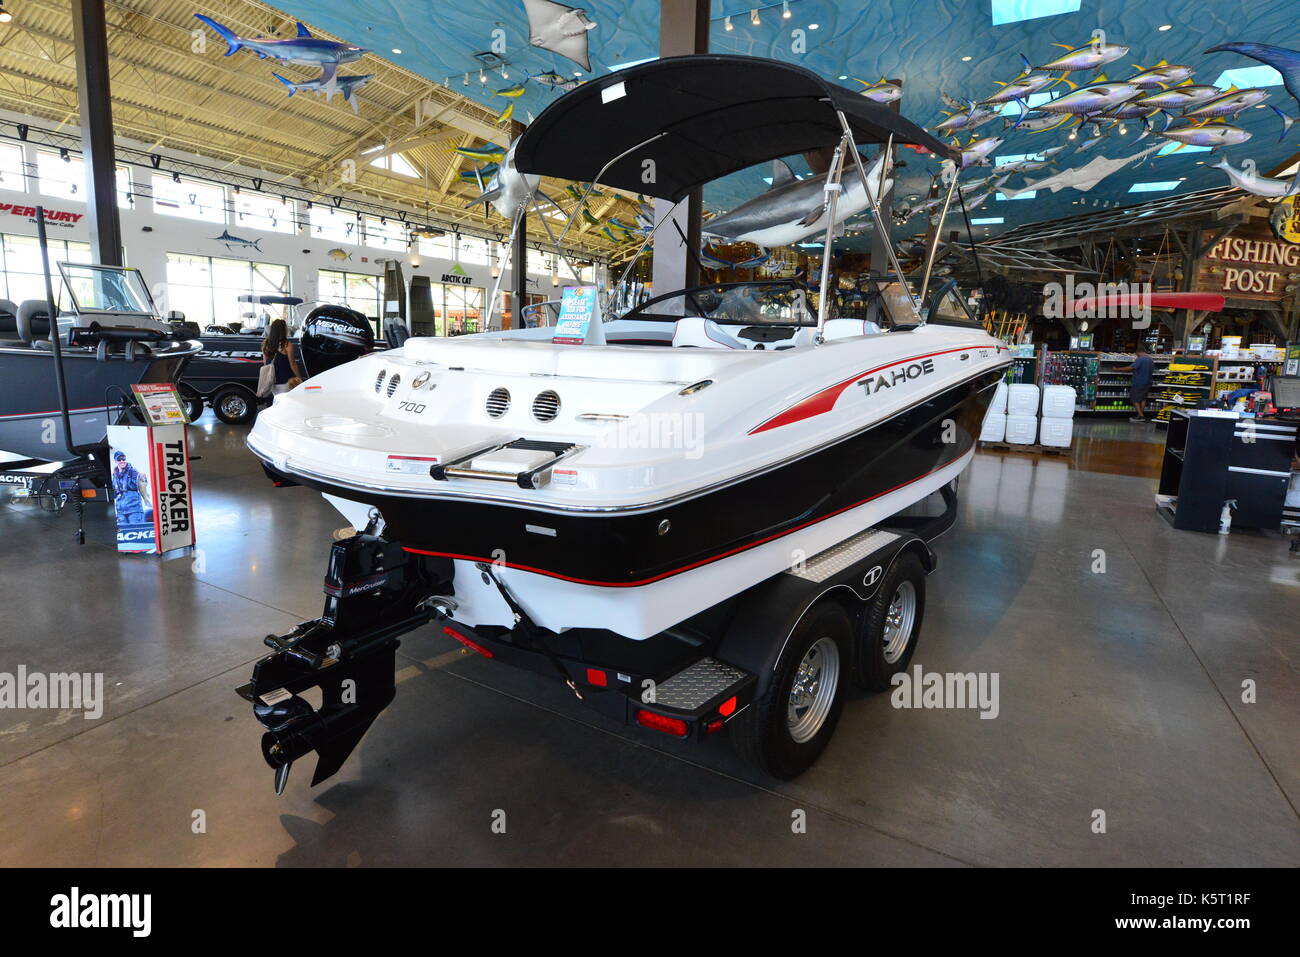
{"type": "Point", "coordinates": [193, 402]}
{"type": "Point", "coordinates": [234, 405]}
{"type": "Point", "coordinates": [891, 624]}
{"type": "Point", "coordinates": [784, 731]}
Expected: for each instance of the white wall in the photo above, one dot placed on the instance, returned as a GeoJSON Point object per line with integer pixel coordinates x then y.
{"type": "Point", "coordinates": [303, 253]}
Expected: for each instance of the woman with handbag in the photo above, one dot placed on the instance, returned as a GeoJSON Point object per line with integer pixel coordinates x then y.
{"type": "Point", "coordinates": [279, 362]}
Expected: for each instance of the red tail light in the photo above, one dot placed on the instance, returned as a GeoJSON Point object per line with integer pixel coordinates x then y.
{"type": "Point", "coordinates": [714, 726]}
{"type": "Point", "coordinates": [727, 706]}
{"type": "Point", "coordinates": [658, 722]}
{"type": "Point", "coordinates": [597, 677]}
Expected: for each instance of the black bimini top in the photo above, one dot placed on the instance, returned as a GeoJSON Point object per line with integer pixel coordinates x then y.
{"type": "Point", "coordinates": [685, 121]}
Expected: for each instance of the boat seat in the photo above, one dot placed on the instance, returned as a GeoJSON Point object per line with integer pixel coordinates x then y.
{"type": "Point", "coordinates": [34, 322]}
{"type": "Point", "coordinates": [845, 328]}
{"type": "Point", "coordinates": [8, 320]}
{"type": "Point", "coordinates": [700, 333]}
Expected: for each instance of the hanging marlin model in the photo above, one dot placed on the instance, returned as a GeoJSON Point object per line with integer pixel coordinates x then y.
{"type": "Point", "coordinates": [560, 29]}
{"type": "Point", "coordinates": [794, 209]}
{"type": "Point", "coordinates": [347, 85]}
{"type": "Point", "coordinates": [303, 48]}
{"type": "Point", "coordinates": [237, 242]}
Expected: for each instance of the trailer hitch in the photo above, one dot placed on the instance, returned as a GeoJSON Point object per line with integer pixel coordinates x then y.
{"type": "Point", "coordinates": [375, 592]}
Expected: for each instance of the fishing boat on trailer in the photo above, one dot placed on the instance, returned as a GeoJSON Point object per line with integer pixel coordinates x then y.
{"type": "Point", "coordinates": [686, 451]}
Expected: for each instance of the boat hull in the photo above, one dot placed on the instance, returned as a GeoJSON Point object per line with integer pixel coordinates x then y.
{"type": "Point", "coordinates": [638, 572]}
{"type": "Point", "coordinates": [30, 422]}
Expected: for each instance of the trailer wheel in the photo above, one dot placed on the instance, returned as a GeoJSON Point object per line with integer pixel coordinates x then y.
{"type": "Point", "coordinates": [890, 626]}
{"type": "Point", "coordinates": [787, 727]}
{"type": "Point", "coordinates": [193, 403]}
{"type": "Point", "coordinates": [234, 405]}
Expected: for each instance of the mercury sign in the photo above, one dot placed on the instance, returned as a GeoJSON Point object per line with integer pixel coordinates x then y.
{"type": "Point", "coordinates": [1250, 268]}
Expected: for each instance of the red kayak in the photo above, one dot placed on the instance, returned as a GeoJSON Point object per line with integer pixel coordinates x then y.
{"type": "Point", "coordinates": [1204, 301]}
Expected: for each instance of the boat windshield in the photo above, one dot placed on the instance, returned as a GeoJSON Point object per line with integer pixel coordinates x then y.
{"type": "Point", "coordinates": [738, 303]}
{"type": "Point", "coordinates": [106, 289]}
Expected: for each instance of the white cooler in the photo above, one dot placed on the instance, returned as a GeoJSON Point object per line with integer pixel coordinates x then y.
{"type": "Point", "coordinates": [995, 427]}
{"type": "Point", "coordinates": [1022, 399]}
{"type": "Point", "coordinates": [1022, 429]}
{"type": "Point", "coordinates": [1058, 402]}
{"type": "Point", "coordinates": [999, 403]}
{"type": "Point", "coordinates": [1056, 432]}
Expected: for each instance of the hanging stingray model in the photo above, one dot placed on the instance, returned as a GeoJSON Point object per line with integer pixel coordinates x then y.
{"type": "Point", "coordinates": [560, 29]}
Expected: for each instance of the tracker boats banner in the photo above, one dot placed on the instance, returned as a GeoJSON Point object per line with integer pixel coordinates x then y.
{"type": "Point", "coordinates": [151, 488]}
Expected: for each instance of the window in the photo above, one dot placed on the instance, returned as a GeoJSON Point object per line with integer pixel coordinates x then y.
{"type": "Point", "coordinates": [456, 309]}
{"type": "Point", "coordinates": [188, 199]}
{"type": "Point", "coordinates": [334, 224]}
{"type": "Point", "coordinates": [355, 290]}
{"type": "Point", "coordinates": [396, 163]}
{"type": "Point", "coordinates": [264, 211]}
{"type": "Point", "coordinates": [384, 233]}
{"type": "Point", "coordinates": [23, 276]}
{"type": "Point", "coordinates": [439, 247]}
{"type": "Point", "coordinates": [66, 179]}
{"type": "Point", "coordinates": [11, 167]}
{"type": "Point", "coordinates": [471, 249]}
{"type": "Point", "coordinates": [207, 289]}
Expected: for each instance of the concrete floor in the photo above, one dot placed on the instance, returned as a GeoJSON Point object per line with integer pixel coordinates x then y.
{"type": "Point", "coordinates": [1120, 692]}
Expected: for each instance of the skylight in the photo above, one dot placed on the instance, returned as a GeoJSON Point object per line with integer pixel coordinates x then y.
{"type": "Point", "coordinates": [1015, 158]}
{"type": "Point", "coordinates": [1013, 11]}
{"type": "Point", "coordinates": [623, 66]}
{"type": "Point", "coordinates": [396, 163]}
{"type": "Point", "coordinates": [1171, 147]}
{"type": "Point", "coordinates": [1154, 187]}
{"type": "Point", "coordinates": [987, 221]}
{"type": "Point", "coordinates": [1029, 195]}
{"type": "Point", "coordinates": [1248, 76]}
{"type": "Point", "coordinates": [1031, 101]}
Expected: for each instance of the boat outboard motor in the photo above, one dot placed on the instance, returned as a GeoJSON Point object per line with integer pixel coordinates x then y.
{"type": "Point", "coordinates": [333, 335]}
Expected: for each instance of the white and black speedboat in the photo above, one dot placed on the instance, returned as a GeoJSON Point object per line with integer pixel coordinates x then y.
{"type": "Point", "coordinates": [708, 440]}
{"type": "Point", "coordinates": [63, 383]}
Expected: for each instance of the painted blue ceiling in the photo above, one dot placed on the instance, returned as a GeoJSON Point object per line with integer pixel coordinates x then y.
{"type": "Point", "coordinates": [922, 42]}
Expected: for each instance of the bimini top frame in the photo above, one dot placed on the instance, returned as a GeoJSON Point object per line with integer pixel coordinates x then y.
{"type": "Point", "coordinates": [665, 128]}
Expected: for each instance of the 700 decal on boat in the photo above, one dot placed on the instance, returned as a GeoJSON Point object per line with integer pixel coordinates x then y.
{"type": "Point", "coordinates": [411, 407]}
{"type": "Point", "coordinates": [913, 370]}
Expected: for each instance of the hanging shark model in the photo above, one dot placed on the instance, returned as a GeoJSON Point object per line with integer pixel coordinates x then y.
{"type": "Point", "coordinates": [509, 191]}
{"type": "Point", "coordinates": [237, 242]}
{"type": "Point", "coordinates": [347, 85]}
{"type": "Point", "coordinates": [1249, 180]}
{"type": "Point", "coordinates": [303, 48]}
{"type": "Point", "coordinates": [793, 209]}
{"type": "Point", "coordinates": [560, 29]}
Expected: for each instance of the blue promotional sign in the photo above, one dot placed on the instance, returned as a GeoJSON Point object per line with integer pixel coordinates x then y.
{"type": "Point", "coordinates": [579, 319]}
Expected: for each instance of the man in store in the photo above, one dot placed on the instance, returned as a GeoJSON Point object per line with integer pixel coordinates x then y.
{"type": "Point", "coordinates": [1140, 385]}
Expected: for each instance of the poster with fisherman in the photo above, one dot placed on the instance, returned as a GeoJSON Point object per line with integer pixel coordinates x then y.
{"type": "Point", "coordinates": [150, 481]}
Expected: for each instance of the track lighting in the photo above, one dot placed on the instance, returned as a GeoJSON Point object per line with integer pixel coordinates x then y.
{"type": "Point", "coordinates": [5, 15]}
{"type": "Point", "coordinates": [754, 17]}
{"type": "Point", "coordinates": [785, 9]}
{"type": "Point", "coordinates": [466, 83]}
{"type": "Point", "coordinates": [482, 77]}
{"type": "Point", "coordinates": [726, 24]}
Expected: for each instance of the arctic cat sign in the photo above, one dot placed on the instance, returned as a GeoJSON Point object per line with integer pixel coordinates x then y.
{"type": "Point", "coordinates": [54, 217]}
{"type": "Point", "coordinates": [457, 276]}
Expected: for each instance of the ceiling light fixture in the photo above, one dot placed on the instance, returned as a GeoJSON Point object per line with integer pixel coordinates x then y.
{"type": "Point", "coordinates": [754, 17]}
{"type": "Point", "coordinates": [726, 23]}
{"type": "Point", "coordinates": [785, 9]}
{"type": "Point", "coordinates": [395, 50]}
{"type": "Point", "coordinates": [814, 26]}
{"type": "Point", "coordinates": [5, 15]}
{"type": "Point", "coordinates": [1167, 26]}
{"type": "Point", "coordinates": [965, 59]}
